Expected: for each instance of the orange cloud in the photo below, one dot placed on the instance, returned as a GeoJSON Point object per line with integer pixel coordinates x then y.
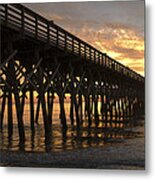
{"type": "Point", "coordinates": [116, 28]}
{"type": "Point", "coordinates": [120, 42]}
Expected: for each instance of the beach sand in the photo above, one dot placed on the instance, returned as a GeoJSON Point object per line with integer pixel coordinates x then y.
{"type": "Point", "coordinates": [129, 155]}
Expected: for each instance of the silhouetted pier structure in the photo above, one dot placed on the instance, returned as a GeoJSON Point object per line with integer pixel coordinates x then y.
{"type": "Point", "coordinates": [43, 59]}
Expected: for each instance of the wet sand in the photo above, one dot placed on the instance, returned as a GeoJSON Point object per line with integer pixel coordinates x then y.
{"type": "Point", "coordinates": [129, 155]}
{"type": "Point", "coordinates": [125, 153]}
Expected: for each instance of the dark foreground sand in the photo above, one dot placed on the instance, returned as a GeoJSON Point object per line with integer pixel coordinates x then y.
{"type": "Point", "coordinates": [129, 155]}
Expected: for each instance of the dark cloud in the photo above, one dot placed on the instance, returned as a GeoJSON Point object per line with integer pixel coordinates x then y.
{"type": "Point", "coordinates": [114, 27]}
{"type": "Point", "coordinates": [127, 13]}
{"type": "Point", "coordinates": [128, 52]}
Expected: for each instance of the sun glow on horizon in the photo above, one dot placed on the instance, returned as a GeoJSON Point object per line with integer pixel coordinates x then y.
{"type": "Point", "coordinates": [123, 45]}
{"type": "Point", "coordinates": [119, 33]}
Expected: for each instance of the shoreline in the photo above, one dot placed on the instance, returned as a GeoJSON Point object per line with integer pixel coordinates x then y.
{"type": "Point", "coordinates": [125, 156]}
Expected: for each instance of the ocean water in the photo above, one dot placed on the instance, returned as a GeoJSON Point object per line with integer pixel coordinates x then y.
{"type": "Point", "coordinates": [70, 139]}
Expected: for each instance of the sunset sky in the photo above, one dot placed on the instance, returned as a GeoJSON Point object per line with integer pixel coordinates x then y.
{"type": "Point", "coordinates": [115, 28]}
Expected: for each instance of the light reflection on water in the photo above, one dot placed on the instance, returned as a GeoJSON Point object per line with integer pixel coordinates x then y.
{"type": "Point", "coordinates": [61, 140]}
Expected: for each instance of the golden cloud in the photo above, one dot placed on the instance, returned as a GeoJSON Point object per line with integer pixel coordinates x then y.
{"type": "Point", "coordinates": [120, 42]}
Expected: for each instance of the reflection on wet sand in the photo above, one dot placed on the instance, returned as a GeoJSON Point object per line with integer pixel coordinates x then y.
{"type": "Point", "coordinates": [110, 130]}
{"type": "Point", "coordinates": [61, 140]}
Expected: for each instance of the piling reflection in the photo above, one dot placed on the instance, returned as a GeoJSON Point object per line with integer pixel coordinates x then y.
{"type": "Point", "coordinates": [98, 124]}
{"type": "Point", "coordinates": [61, 139]}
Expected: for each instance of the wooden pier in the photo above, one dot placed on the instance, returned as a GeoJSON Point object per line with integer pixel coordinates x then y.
{"type": "Point", "coordinates": [40, 58]}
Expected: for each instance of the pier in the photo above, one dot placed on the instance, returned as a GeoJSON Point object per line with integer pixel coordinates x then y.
{"type": "Point", "coordinates": [41, 60]}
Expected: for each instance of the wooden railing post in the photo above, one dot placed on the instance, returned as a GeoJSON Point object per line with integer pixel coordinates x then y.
{"type": "Point", "coordinates": [90, 53]}
{"type": "Point", "coordinates": [106, 62]}
{"type": "Point", "coordinates": [22, 18]}
{"type": "Point", "coordinates": [98, 57]}
{"type": "Point", "coordinates": [72, 45]}
{"type": "Point", "coordinates": [110, 63]}
{"type": "Point", "coordinates": [79, 48]}
{"type": "Point", "coordinates": [113, 66]}
{"type": "Point", "coordinates": [36, 26]}
{"type": "Point", "coordinates": [101, 57]}
{"type": "Point", "coordinates": [6, 13]}
{"type": "Point", "coordinates": [48, 32]}
{"type": "Point", "coordinates": [84, 51]}
{"type": "Point", "coordinates": [94, 56]}
{"type": "Point", "coordinates": [65, 41]}
{"type": "Point", "coordinates": [57, 35]}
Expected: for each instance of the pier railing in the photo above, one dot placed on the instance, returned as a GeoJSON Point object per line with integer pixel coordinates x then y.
{"type": "Point", "coordinates": [36, 26]}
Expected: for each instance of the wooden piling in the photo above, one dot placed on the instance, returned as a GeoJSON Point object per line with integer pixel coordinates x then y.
{"type": "Point", "coordinates": [62, 111]}
{"type": "Point", "coordinates": [130, 107]}
{"type": "Point", "coordinates": [45, 117]}
{"type": "Point", "coordinates": [50, 106]}
{"type": "Point", "coordinates": [80, 107]}
{"type": "Point", "coordinates": [76, 110]}
{"type": "Point", "coordinates": [96, 116]}
{"type": "Point", "coordinates": [2, 110]}
{"type": "Point", "coordinates": [87, 109]}
{"type": "Point", "coordinates": [106, 107]}
{"type": "Point", "coordinates": [10, 117]}
{"type": "Point", "coordinates": [19, 117]}
{"type": "Point", "coordinates": [52, 103]}
{"type": "Point", "coordinates": [37, 111]}
{"type": "Point", "coordinates": [115, 109]}
{"type": "Point", "coordinates": [72, 110]}
{"type": "Point", "coordinates": [32, 110]}
{"type": "Point", "coordinates": [102, 107]}
{"type": "Point", "coordinates": [23, 102]}
{"type": "Point", "coordinates": [15, 83]}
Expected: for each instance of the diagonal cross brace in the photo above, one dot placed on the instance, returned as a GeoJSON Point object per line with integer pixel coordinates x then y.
{"type": "Point", "coordinates": [4, 63]}
{"type": "Point", "coordinates": [8, 59]}
{"type": "Point", "coordinates": [28, 77]}
{"type": "Point", "coordinates": [67, 83]}
{"type": "Point", "coordinates": [52, 77]}
{"type": "Point", "coordinates": [5, 82]}
{"type": "Point", "coordinates": [78, 88]}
